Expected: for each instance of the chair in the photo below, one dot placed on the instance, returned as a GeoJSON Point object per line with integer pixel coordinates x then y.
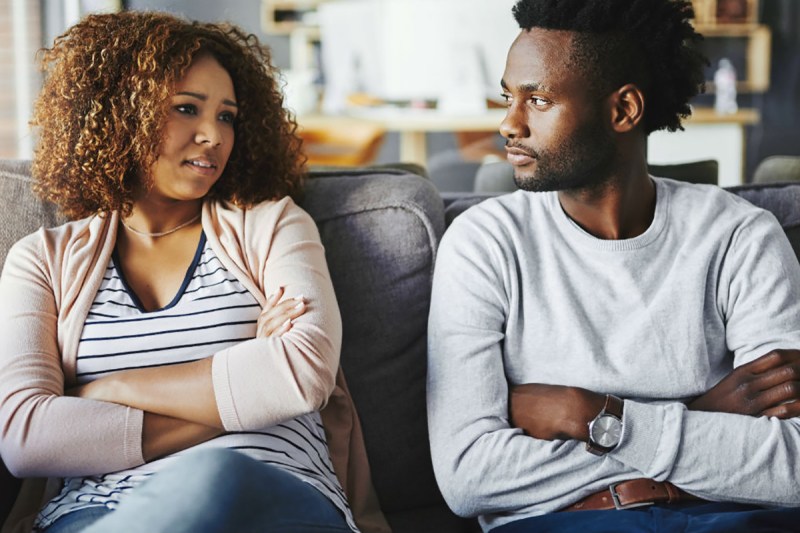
{"type": "Point", "coordinates": [706, 171]}
{"type": "Point", "coordinates": [450, 172]}
{"type": "Point", "coordinates": [351, 146]}
{"type": "Point", "coordinates": [777, 169]}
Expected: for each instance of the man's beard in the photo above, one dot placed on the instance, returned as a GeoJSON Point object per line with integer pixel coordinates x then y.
{"type": "Point", "coordinates": [583, 163]}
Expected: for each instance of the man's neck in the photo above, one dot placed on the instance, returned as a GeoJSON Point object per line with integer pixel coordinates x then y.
{"type": "Point", "coordinates": [621, 208]}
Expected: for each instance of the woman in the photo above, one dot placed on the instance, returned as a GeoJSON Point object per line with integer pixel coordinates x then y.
{"type": "Point", "coordinates": [188, 311]}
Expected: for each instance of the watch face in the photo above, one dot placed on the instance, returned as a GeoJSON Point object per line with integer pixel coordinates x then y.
{"type": "Point", "coordinates": [605, 431]}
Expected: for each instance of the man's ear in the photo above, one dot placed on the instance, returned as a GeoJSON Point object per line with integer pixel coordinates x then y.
{"type": "Point", "coordinates": [627, 108]}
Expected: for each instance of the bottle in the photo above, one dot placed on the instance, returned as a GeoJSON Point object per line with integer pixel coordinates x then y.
{"type": "Point", "coordinates": [725, 85]}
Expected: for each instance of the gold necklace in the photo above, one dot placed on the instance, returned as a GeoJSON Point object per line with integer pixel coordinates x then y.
{"type": "Point", "coordinates": [161, 233]}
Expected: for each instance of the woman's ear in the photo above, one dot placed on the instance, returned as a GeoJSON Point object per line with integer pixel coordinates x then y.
{"type": "Point", "coordinates": [627, 108]}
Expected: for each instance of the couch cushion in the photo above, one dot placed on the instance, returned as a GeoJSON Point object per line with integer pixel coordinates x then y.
{"type": "Point", "coordinates": [380, 230]}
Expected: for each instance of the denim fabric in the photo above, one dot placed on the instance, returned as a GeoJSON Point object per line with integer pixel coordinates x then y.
{"type": "Point", "coordinates": [684, 518]}
{"type": "Point", "coordinates": [78, 521]}
{"type": "Point", "coordinates": [213, 491]}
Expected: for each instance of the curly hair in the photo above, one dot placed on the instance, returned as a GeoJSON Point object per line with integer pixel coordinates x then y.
{"type": "Point", "coordinates": [650, 43]}
{"type": "Point", "coordinates": [102, 111]}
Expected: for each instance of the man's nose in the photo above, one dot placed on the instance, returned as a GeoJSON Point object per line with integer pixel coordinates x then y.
{"type": "Point", "coordinates": [515, 123]}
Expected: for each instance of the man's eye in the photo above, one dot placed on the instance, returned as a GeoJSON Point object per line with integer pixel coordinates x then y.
{"type": "Point", "coordinates": [506, 98]}
{"type": "Point", "coordinates": [539, 102]}
{"type": "Point", "coordinates": [186, 109]}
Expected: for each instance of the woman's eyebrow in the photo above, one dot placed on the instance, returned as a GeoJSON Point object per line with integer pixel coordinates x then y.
{"type": "Point", "coordinates": [204, 98]}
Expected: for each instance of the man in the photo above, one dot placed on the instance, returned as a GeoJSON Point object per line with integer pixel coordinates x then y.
{"type": "Point", "coordinates": [604, 336]}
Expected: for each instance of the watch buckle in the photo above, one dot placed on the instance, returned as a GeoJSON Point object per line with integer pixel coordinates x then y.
{"type": "Point", "coordinates": [621, 506]}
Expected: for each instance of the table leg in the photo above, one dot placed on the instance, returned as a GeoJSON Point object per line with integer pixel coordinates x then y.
{"type": "Point", "coordinates": [413, 148]}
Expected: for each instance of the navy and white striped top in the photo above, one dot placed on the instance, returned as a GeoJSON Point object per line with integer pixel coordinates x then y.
{"type": "Point", "coordinates": [210, 312]}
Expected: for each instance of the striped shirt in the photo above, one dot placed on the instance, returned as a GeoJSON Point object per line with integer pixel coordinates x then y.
{"type": "Point", "coordinates": [210, 312]}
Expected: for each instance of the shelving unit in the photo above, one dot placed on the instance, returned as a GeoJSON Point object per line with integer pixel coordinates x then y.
{"type": "Point", "coordinates": [284, 16]}
{"type": "Point", "coordinates": [738, 20]}
{"type": "Point", "coordinates": [298, 20]}
{"type": "Point", "coordinates": [757, 53]}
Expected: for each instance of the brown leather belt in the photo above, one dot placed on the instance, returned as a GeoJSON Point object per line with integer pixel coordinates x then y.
{"type": "Point", "coordinates": [630, 494]}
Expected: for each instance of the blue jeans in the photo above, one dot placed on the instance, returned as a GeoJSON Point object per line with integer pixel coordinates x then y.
{"type": "Point", "coordinates": [212, 491]}
{"type": "Point", "coordinates": [705, 517]}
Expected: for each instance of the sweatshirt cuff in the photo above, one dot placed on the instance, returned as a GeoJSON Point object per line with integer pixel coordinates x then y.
{"type": "Point", "coordinates": [650, 437]}
{"type": "Point", "coordinates": [223, 392]}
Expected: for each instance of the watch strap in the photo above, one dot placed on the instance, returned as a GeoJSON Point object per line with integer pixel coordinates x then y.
{"type": "Point", "coordinates": [613, 406]}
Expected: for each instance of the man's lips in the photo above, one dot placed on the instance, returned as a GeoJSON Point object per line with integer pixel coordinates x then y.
{"type": "Point", "coordinates": [519, 157]}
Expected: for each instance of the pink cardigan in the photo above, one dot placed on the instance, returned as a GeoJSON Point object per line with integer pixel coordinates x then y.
{"type": "Point", "coordinates": [48, 283]}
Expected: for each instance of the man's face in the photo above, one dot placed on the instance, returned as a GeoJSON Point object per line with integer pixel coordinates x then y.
{"type": "Point", "coordinates": [556, 130]}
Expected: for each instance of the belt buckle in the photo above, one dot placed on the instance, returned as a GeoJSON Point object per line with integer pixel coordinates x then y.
{"type": "Point", "coordinates": [619, 505]}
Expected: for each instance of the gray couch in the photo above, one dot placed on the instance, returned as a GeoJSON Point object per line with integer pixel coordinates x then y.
{"type": "Point", "coordinates": [380, 228]}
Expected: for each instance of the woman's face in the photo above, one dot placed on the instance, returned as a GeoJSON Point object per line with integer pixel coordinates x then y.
{"type": "Point", "coordinates": [199, 133]}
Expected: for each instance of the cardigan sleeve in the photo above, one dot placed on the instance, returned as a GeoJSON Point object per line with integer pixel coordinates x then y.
{"type": "Point", "coordinates": [43, 432]}
{"type": "Point", "coordinates": [267, 380]}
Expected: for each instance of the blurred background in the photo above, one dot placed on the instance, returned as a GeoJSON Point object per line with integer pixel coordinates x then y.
{"type": "Point", "coordinates": [382, 81]}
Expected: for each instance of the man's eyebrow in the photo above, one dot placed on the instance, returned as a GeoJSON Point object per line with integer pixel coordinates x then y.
{"type": "Point", "coordinates": [204, 98]}
{"type": "Point", "coordinates": [531, 87]}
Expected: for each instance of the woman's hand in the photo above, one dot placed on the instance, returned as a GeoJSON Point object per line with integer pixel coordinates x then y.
{"type": "Point", "coordinates": [278, 316]}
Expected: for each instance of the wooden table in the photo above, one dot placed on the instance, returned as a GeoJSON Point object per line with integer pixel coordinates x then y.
{"type": "Point", "coordinates": [411, 124]}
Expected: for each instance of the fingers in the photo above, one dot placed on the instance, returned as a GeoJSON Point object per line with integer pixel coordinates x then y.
{"type": "Point", "coordinates": [771, 360]}
{"type": "Point", "coordinates": [770, 379]}
{"type": "Point", "coordinates": [781, 400]}
{"type": "Point", "coordinates": [278, 319]}
{"type": "Point", "coordinates": [275, 297]}
{"type": "Point", "coordinates": [784, 410]}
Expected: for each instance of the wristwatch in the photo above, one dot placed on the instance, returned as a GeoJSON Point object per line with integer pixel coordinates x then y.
{"type": "Point", "coordinates": [606, 428]}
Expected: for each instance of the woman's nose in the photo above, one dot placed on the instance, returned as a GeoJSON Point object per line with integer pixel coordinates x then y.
{"type": "Point", "coordinates": [209, 132]}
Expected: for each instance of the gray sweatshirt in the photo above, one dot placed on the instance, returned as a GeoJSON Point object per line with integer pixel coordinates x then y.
{"type": "Point", "coordinates": [522, 294]}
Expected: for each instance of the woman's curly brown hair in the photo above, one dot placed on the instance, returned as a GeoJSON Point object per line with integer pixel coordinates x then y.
{"type": "Point", "coordinates": [102, 111]}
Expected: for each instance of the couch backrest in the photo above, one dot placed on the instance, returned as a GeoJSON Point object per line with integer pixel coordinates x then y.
{"type": "Point", "coordinates": [783, 200]}
{"type": "Point", "coordinates": [21, 212]}
{"type": "Point", "coordinates": [380, 230]}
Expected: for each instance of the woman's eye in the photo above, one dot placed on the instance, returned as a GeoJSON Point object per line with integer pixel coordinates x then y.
{"type": "Point", "coordinates": [227, 117]}
{"type": "Point", "coordinates": [186, 109]}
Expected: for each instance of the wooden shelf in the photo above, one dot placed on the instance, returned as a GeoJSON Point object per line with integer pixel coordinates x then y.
{"type": "Point", "coordinates": [724, 12]}
{"type": "Point", "coordinates": [284, 16]}
{"type": "Point", "coordinates": [757, 54]}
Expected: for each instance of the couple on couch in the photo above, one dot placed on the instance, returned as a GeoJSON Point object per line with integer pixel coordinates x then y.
{"type": "Point", "coordinates": [613, 341]}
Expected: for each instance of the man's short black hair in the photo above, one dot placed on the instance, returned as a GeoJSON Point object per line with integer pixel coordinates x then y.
{"type": "Point", "coordinates": [647, 42]}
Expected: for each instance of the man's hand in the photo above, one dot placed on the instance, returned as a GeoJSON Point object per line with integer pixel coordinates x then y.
{"type": "Point", "coordinates": [768, 386]}
{"type": "Point", "coordinates": [553, 412]}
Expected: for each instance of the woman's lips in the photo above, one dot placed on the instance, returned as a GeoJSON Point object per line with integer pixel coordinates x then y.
{"type": "Point", "coordinates": [205, 168]}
